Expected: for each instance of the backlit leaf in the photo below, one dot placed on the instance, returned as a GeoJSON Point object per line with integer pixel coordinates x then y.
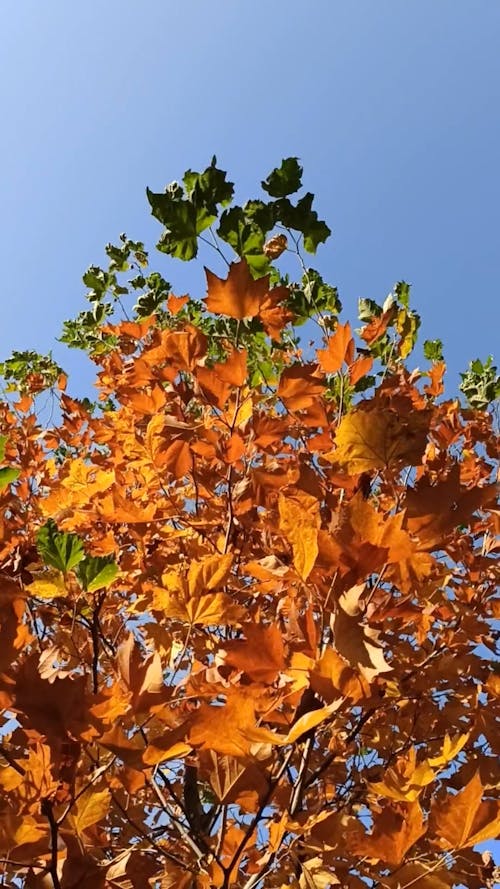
{"type": "Point", "coordinates": [91, 807]}
{"type": "Point", "coordinates": [300, 522]}
{"type": "Point", "coordinates": [60, 550]}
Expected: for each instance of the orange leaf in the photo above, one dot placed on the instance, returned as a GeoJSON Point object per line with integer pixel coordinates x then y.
{"type": "Point", "coordinates": [239, 295]}
{"type": "Point", "coordinates": [176, 303]}
{"type": "Point", "coordinates": [340, 348]}
{"type": "Point", "coordinates": [261, 656]}
{"type": "Point", "coordinates": [462, 820]}
{"type": "Point", "coordinates": [395, 830]}
{"type": "Point", "coordinates": [376, 327]}
{"type": "Point", "coordinates": [299, 387]}
{"type": "Point", "coordinates": [230, 729]}
{"type": "Point", "coordinates": [436, 373]}
{"type": "Point", "coordinates": [360, 368]}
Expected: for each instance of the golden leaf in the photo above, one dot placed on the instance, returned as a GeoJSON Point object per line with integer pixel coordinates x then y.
{"type": "Point", "coordinates": [405, 781]}
{"type": "Point", "coordinates": [48, 584]}
{"type": "Point", "coordinates": [374, 439]}
{"type": "Point", "coordinates": [92, 806]}
{"type": "Point", "coordinates": [451, 746]}
{"type": "Point", "coordinates": [300, 522]}
{"type": "Point", "coordinates": [209, 574]}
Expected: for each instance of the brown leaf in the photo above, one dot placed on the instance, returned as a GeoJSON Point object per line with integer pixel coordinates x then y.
{"type": "Point", "coordinates": [355, 640]}
{"type": "Point", "coordinates": [274, 247]}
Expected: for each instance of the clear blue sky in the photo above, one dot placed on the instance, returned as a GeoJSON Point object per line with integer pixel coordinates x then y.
{"type": "Point", "coordinates": [392, 106]}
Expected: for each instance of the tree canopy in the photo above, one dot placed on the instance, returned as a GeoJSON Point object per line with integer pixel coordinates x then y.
{"type": "Point", "coordinates": [249, 590]}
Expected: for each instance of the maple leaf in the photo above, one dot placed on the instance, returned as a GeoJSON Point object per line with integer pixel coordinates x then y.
{"type": "Point", "coordinates": [395, 830]}
{"type": "Point", "coordinates": [92, 806]}
{"type": "Point", "coordinates": [462, 819]}
{"type": "Point", "coordinates": [261, 656]}
{"type": "Point", "coordinates": [230, 729]}
{"type": "Point", "coordinates": [370, 439]}
{"type": "Point", "coordinates": [299, 387]}
{"type": "Point", "coordinates": [405, 781]}
{"type": "Point", "coordinates": [237, 296]}
{"type": "Point", "coordinates": [233, 780]}
{"type": "Point", "coordinates": [355, 640]}
{"type": "Point", "coordinates": [340, 349]}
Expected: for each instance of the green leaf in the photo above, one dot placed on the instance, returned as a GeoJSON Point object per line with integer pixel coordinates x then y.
{"type": "Point", "coordinates": [285, 179]}
{"type": "Point", "coordinates": [402, 293]}
{"type": "Point", "coordinates": [368, 309]}
{"type": "Point", "coordinates": [246, 238]}
{"type": "Point", "coordinates": [187, 212]}
{"type": "Point", "coordinates": [304, 219]}
{"type": "Point", "coordinates": [96, 572]}
{"type": "Point", "coordinates": [3, 442]}
{"type": "Point", "coordinates": [7, 475]}
{"type": "Point", "coordinates": [324, 297]}
{"type": "Point", "coordinates": [208, 189]}
{"type": "Point", "coordinates": [179, 218]}
{"type": "Point", "coordinates": [433, 350]}
{"type": "Point", "coordinates": [58, 549]}
{"type": "Point", "coordinates": [481, 383]}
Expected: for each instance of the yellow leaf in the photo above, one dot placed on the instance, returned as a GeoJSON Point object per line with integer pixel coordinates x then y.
{"type": "Point", "coordinates": [85, 480]}
{"type": "Point", "coordinates": [48, 585]}
{"type": "Point", "coordinates": [405, 781]}
{"type": "Point", "coordinates": [300, 522]}
{"type": "Point", "coordinates": [375, 439]}
{"type": "Point", "coordinates": [209, 574]}
{"type": "Point", "coordinates": [92, 806]}
{"type": "Point", "coordinates": [29, 831]}
{"type": "Point", "coordinates": [451, 746]}
{"type": "Point", "coordinates": [311, 720]}
{"type": "Point", "coordinates": [218, 608]}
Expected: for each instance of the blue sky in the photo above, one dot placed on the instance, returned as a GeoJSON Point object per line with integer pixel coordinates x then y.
{"type": "Point", "coordinates": [391, 106]}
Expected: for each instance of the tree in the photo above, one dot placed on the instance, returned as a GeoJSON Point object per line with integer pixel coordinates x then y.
{"type": "Point", "coordinates": [248, 596]}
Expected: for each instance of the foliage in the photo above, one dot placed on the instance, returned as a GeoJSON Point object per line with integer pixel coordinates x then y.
{"type": "Point", "coordinates": [249, 596]}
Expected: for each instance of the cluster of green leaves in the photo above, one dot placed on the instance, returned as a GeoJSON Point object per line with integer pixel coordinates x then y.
{"type": "Point", "coordinates": [189, 209]}
{"type": "Point", "coordinates": [201, 209]}
{"type": "Point", "coordinates": [28, 371]}
{"type": "Point", "coordinates": [481, 383]}
{"type": "Point", "coordinates": [66, 552]}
